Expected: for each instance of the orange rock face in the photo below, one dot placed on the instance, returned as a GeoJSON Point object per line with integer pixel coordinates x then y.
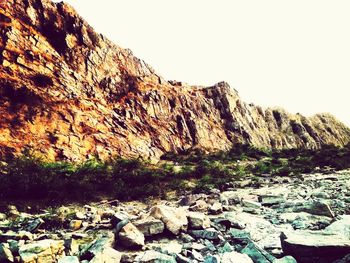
{"type": "Point", "coordinates": [69, 93]}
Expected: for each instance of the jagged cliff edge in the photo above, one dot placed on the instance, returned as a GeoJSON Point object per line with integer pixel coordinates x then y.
{"type": "Point", "coordinates": [69, 93]}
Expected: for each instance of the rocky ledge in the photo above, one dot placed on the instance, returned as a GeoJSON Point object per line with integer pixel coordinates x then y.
{"type": "Point", "coordinates": [285, 220]}
{"type": "Point", "coordinates": [68, 93]}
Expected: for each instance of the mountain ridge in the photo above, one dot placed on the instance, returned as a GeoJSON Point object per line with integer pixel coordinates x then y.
{"type": "Point", "coordinates": [69, 93]}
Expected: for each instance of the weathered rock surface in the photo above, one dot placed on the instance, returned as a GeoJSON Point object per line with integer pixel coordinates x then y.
{"type": "Point", "coordinates": [130, 236]}
{"type": "Point", "coordinates": [150, 226]}
{"type": "Point", "coordinates": [41, 251]}
{"type": "Point", "coordinates": [175, 219]}
{"type": "Point", "coordinates": [312, 246]}
{"type": "Point", "coordinates": [198, 220]}
{"type": "Point", "coordinates": [67, 92]}
{"type": "Point", "coordinates": [316, 207]}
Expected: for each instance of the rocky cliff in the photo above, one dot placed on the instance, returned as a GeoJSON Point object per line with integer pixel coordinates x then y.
{"type": "Point", "coordinates": [69, 93]}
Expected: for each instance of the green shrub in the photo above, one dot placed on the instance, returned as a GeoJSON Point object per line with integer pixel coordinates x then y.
{"type": "Point", "coordinates": [28, 177]}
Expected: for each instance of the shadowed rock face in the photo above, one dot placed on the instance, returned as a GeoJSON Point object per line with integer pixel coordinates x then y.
{"type": "Point", "coordinates": [69, 93]}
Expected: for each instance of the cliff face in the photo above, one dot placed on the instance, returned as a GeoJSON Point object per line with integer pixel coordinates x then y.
{"type": "Point", "coordinates": [69, 93]}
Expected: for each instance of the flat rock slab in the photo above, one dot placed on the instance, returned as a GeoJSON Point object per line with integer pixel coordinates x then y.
{"type": "Point", "coordinates": [315, 246]}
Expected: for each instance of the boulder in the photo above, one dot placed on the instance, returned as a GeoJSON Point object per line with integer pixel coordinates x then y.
{"type": "Point", "coordinates": [97, 247]}
{"type": "Point", "coordinates": [229, 198]}
{"type": "Point", "coordinates": [15, 245]}
{"type": "Point", "coordinates": [2, 216]}
{"type": "Point", "coordinates": [5, 253]}
{"type": "Point", "coordinates": [75, 224]}
{"type": "Point", "coordinates": [171, 247]}
{"type": "Point", "coordinates": [257, 254]}
{"type": "Point", "coordinates": [268, 200]}
{"type": "Point", "coordinates": [108, 255]}
{"type": "Point", "coordinates": [200, 206]}
{"type": "Point", "coordinates": [12, 211]}
{"type": "Point", "coordinates": [216, 208]}
{"type": "Point", "coordinates": [118, 217]}
{"type": "Point", "coordinates": [152, 256]}
{"type": "Point", "coordinates": [198, 220]}
{"type": "Point", "coordinates": [80, 215]}
{"type": "Point", "coordinates": [42, 251]}
{"type": "Point", "coordinates": [21, 235]}
{"type": "Point", "coordinates": [182, 259]}
{"type": "Point", "coordinates": [235, 257]}
{"type": "Point", "coordinates": [286, 259]}
{"type": "Point", "coordinates": [212, 259]}
{"type": "Point", "coordinates": [311, 246]}
{"type": "Point", "coordinates": [225, 248]}
{"type": "Point", "coordinates": [191, 199]}
{"type": "Point", "coordinates": [320, 208]}
{"type": "Point", "coordinates": [150, 226]}
{"type": "Point", "coordinates": [175, 219]}
{"type": "Point", "coordinates": [209, 233]}
{"type": "Point", "coordinates": [341, 226]}
{"type": "Point", "coordinates": [186, 238]}
{"type": "Point", "coordinates": [303, 220]}
{"type": "Point", "coordinates": [130, 236]}
{"type": "Point", "coordinates": [195, 255]}
{"type": "Point", "coordinates": [240, 236]}
{"type": "Point", "coordinates": [34, 225]}
{"type": "Point", "coordinates": [230, 220]}
{"type": "Point", "coordinates": [195, 246]}
{"type": "Point", "coordinates": [250, 204]}
{"type": "Point", "coordinates": [68, 259]}
{"type": "Point", "coordinates": [71, 247]}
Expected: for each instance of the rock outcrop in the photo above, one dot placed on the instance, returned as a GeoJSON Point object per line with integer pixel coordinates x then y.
{"type": "Point", "coordinates": [69, 93]}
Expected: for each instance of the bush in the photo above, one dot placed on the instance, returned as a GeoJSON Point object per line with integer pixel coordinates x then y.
{"type": "Point", "coordinates": [28, 177]}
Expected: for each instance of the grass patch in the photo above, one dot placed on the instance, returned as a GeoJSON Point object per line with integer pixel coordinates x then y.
{"type": "Point", "coordinates": [28, 177]}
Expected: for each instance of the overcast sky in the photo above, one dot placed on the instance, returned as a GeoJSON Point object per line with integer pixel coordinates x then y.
{"type": "Point", "coordinates": [293, 54]}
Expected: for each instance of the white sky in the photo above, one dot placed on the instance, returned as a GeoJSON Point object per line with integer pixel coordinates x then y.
{"type": "Point", "coordinates": [293, 54]}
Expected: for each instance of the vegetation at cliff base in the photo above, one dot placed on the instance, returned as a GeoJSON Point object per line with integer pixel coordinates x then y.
{"type": "Point", "coordinates": [29, 177]}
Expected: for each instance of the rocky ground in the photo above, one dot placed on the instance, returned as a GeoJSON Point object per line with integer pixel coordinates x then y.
{"type": "Point", "coordinates": [277, 219]}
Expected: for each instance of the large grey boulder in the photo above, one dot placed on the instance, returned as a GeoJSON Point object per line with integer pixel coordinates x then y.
{"type": "Point", "coordinates": [320, 208]}
{"type": "Point", "coordinates": [314, 246]}
{"type": "Point", "coordinates": [341, 226]}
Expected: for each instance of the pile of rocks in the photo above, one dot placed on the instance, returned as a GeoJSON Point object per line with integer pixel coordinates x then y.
{"type": "Point", "coordinates": [291, 221]}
